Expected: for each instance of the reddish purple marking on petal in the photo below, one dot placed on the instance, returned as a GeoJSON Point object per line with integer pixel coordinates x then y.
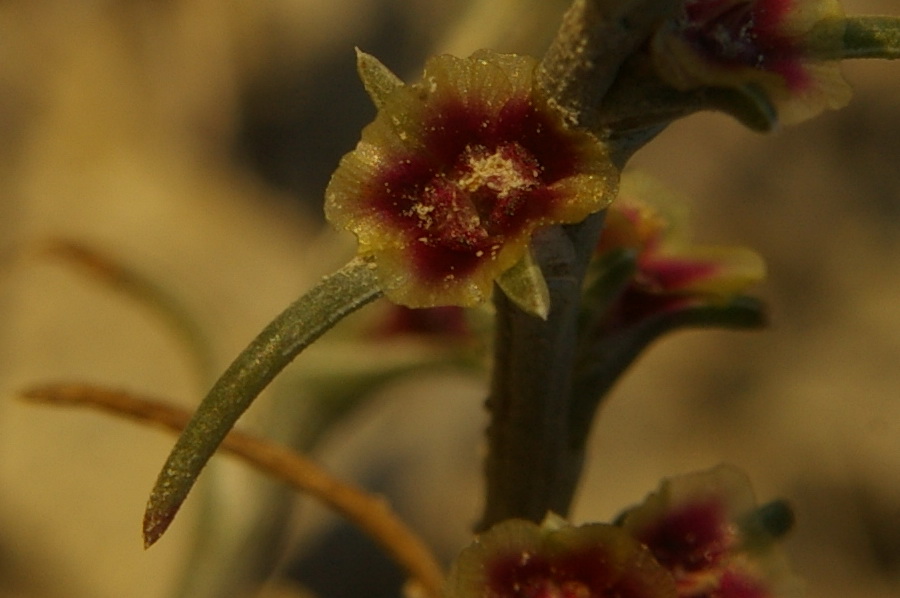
{"type": "Point", "coordinates": [691, 538]}
{"type": "Point", "coordinates": [452, 125]}
{"type": "Point", "coordinates": [584, 573]}
{"type": "Point", "coordinates": [458, 250]}
{"type": "Point", "coordinates": [672, 275]}
{"type": "Point", "coordinates": [794, 73]}
{"type": "Point", "coordinates": [723, 30]}
{"type": "Point", "coordinates": [770, 14]}
{"type": "Point", "coordinates": [447, 322]}
{"type": "Point", "coordinates": [539, 133]}
{"type": "Point", "coordinates": [781, 54]}
{"type": "Point", "coordinates": [637, 305]}
{"type": "Point", "coordinates": [745, 33]}
{"type": "Point", "coordinates": [737, 584]}
{"type": "Point", "coordinates": [393, 193]}
{"type": "Point", "coordinates": [482, 179]}
{"type": "Point", "coordinates": [459, 214]}
{"type": "Point", "coordinates": [434, 264]}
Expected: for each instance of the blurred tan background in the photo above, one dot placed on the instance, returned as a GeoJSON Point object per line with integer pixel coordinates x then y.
{"type": "Point", "coordinates": [193, 139]}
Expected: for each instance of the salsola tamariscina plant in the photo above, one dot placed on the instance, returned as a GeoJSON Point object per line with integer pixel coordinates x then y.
{"type": "Point", "coordinates": [491, 179]}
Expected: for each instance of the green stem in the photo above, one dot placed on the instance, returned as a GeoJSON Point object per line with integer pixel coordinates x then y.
{"type": "Point", "coordinates": [595, 38]}
{"type": "Point", "coordinates": [528, 463]}
{"type": "Point", "coordinates": [872, 37]}
{"type": "Point", "coordinates": [531, 467]}
{"type": "Point", "coordinates": [857, 37]}
{"type": "Point", "coordinates": [298, 326]}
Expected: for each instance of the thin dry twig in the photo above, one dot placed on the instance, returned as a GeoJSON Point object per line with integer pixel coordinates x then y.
{"type": "Point", "coordinates": [370, 513]}
{"type": "Point", "coordinates": [127, 281]}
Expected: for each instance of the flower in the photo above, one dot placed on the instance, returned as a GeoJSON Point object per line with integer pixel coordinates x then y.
{"type": "Point", "coordinates": [671, 273]}
{"type": "Point", "coordinates": [450, 180]}
{"type": "Point", "coordinates": [520, 559]}
{"type": "Point", "coordinates": [702, 527]}
{"type": "Point", "coordinates": [764, 45]}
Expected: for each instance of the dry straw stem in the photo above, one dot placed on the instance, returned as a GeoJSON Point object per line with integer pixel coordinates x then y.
{"type": "Point", "coordinates": [131, 283]}
{"type": "Point", "coordinates": [370, 513]}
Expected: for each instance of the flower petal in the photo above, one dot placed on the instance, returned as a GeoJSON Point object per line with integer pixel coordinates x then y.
{"type": "Point", "coordinates": [693, 525]}
{"type": "Point", "coordinates": [754, 44]}
{"type": "Point", "coordinates": [519, 559]}
{"type": "Point", "coordinates": [449, 182]}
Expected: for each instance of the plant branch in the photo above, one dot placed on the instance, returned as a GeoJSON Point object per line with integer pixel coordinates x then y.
{"type": "Point", "coordinates": [595, 39]}
{"type": "Point", "coordinates": [857, 37]}
{"type": "Point", "coordinates": [137, 287]}
{"type": "Point", "coordinates": [370, 513]}
{"type": "Point", "coordinates": [530, 392]}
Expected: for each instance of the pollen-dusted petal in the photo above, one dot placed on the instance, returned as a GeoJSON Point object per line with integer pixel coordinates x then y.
{"type": "Point", "coordinates": [690, 522]}
{"type": "Point", "coordinates": [592, 189]}
{"type": "Point", "coordinates": [481, 82]}
{"type": "Point", "coordinates": [456, 172]}
{"type": "Point", "coordinates": [519, 559]}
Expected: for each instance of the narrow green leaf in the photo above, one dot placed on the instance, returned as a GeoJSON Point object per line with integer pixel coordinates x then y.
{"type": "Point", "coordinates": [305, 320]}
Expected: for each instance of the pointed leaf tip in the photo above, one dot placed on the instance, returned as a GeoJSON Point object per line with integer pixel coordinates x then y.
{"type": "Point", "coordinates": [525, 286]}
{"type": "Point", "coordinates": [156, 522]}
{"type": "Point", "coordinates": [378, 79]}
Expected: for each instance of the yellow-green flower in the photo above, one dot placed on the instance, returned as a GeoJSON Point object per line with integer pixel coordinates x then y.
{"type": "Point", "coordinates": [702, 528]}
{"type": "Point", "coordinates": [456, 172]}
{"type": "Point", "coordinates": [520, 559]}
{"type": "Point", "coordinates": [672, 271]}
{"type": "Point", "coordinates": [758, 44]}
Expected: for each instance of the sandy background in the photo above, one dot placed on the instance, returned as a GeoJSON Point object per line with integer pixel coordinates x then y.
{"type": "Point", "coordinates": [193, 139]}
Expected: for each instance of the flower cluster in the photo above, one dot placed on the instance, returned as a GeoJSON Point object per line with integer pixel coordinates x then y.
{"type": "Point", "coordinates": [449, 182]}
{"type": "Point", "coordinates": [759, 45]}
{"type": "Point", "coordinates": [693, 538]}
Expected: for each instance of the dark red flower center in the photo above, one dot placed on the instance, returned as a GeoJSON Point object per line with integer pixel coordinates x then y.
{"type": "Point", "coordinates": [724, 30]}
{"type": "Point", "coordinates": [584, 573]}
{"type": "Point", "coordinates": [744, 33]}
{"type": "Point", "coordinates": [478, 200]}
{"type": "Point", "coordinates": [693, 538]}
{"type": "Point", "coordinates": [482, 178]}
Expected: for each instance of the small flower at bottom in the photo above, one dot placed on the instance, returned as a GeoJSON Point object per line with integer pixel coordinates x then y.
{"type": "Point", "coordinates": [520, 559]}
{"type": "Point", "coordinates": [456, 172]}
{"type": "Point", "coordinates": [703, 528]}
{"type": "Point", "coordinates": [764, 45]}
